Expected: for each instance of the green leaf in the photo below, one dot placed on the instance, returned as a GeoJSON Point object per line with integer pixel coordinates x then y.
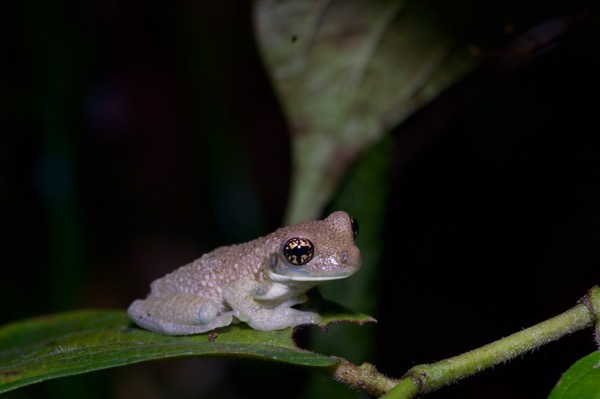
{"type": "Point", "coordinates": [76, 342]}
{"type": "Point", "coordinates": [346, 72]}
{"type": "Point", "coordinates": [581, 381]}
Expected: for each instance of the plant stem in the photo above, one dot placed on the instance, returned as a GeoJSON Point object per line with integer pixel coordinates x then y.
{"type": "Point", "coordinates": [433, 376]}
{"type": "Point", "coordinates": [428, 377]}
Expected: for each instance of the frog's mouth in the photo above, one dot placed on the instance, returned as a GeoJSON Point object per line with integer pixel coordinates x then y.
{"type": "Point", "coordinates": [279, 270]}
{"type": "Point", "coordinates": [305, 275]}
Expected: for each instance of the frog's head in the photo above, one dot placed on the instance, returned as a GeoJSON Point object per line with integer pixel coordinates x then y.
{"type": "Point", "coordinates": [317, 250]}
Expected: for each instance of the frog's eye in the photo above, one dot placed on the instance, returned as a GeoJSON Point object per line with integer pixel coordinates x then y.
{"type": "Point", "coordinates": [354, 225]}
{"type": "Point", "coordinates": [298, 251]}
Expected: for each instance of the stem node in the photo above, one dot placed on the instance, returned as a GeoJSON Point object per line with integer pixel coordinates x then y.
{"type": "Point", "coordinates": [592, 302]}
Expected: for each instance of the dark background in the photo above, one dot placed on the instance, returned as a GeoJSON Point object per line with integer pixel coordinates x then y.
{"type": "Point", "coordinates": [138, 135]}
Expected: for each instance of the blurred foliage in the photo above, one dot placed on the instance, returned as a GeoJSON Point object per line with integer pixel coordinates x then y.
{"type": "Point", "coordinates": [346, 73]}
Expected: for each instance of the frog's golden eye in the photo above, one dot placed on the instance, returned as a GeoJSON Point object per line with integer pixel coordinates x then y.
{"type": "Point", "coordinates": [298, 251]}
{"type": "Point", "coordinates": [354, 225]}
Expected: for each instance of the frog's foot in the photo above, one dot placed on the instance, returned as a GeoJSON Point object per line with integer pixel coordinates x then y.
{"type": "Point", "coordinates": [278, 318]}
{"type": "Point", "coordinates": [179, 314]}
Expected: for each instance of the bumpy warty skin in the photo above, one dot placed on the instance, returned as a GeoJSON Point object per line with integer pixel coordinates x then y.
{"type": "Point", "coordinates": [207, 275]}
{"type": "Point", "coordinates": [251, 267]}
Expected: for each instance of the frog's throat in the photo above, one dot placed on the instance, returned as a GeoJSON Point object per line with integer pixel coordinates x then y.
{"type": "Point", "coordinates": [281, 278]}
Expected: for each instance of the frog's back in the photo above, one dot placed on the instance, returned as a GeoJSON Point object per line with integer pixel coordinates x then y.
{"type": "Point", "coordinates": [207, 275]}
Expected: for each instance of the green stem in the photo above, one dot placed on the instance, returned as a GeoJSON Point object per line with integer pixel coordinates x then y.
{"type": "Point", "coordinates": [428, 377]}
{"type": "Point", "coordinates": [433, 376]}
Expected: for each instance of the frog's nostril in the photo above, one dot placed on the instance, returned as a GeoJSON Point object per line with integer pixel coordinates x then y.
{"type": "Point", "coordinates": [344, 257]}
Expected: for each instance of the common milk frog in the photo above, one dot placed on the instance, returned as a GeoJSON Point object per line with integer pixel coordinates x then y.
{"type": "Point", "coordinates": [256, 282]}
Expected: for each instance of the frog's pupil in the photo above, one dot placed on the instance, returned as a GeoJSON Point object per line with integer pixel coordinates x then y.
{"type": "Point", "coordinates": [298, 251]}
{"type": "Point", "coordinates": [354, 225]}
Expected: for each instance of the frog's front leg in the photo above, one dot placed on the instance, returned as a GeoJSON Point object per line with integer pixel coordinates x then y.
{"type": "Point", "coordinates": [179, 314]}
{"type": "Point", "coordinates": [266, 306]}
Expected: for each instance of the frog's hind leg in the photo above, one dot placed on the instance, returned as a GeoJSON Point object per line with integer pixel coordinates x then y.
{"type": "Point", "coordinates": [179, 314]}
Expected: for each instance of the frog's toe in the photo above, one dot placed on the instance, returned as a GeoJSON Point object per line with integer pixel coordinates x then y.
{"type": "Point", "coordinates": [311, 318]}
{"type": "Point", "coordinates": [294, 317]}
{"type": "Point", "coordinates": [222, 321]}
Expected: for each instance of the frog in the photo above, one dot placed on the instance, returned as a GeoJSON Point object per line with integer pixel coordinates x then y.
{"type": "Point", "coordinates": [258, 282]}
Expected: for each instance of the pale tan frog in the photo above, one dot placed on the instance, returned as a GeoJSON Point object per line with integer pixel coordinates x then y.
{"type": "Point", "coordinates": [257, 282]}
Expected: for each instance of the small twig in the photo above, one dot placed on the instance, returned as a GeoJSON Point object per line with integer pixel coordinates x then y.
{"type": "Point", "coordinates": [364, 377]}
